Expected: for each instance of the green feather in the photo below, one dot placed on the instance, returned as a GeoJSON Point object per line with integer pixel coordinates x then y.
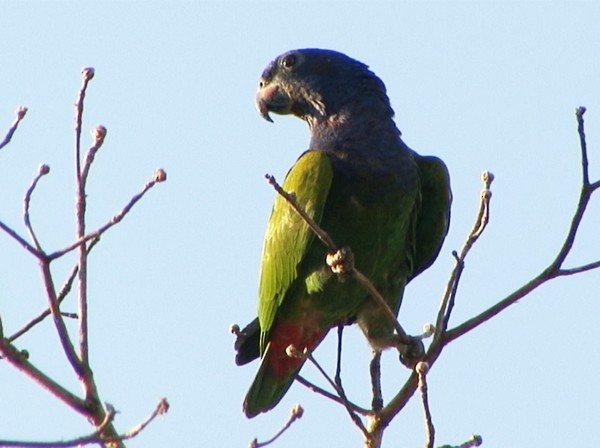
{"type": "Point", "coordinates": [288, 237]}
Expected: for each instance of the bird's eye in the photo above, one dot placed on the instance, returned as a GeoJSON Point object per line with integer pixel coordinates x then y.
{"type": "Point", "coordinates": [288, 61]}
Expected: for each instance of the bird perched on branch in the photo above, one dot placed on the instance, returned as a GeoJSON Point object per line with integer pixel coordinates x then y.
{"type": "Point", "coordinates": [365, 187]}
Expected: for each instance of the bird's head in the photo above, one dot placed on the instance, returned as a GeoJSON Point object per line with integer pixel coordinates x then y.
{"type": "Point", "coordinates": [316, 84]}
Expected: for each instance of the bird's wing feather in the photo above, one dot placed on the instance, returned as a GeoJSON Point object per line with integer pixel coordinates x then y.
{"type": "Point", "coordinates": [288, 237]}
{"type": "Point", "coordinates": [434, 216]}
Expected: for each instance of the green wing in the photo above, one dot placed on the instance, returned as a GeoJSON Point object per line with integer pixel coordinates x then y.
{"type": "Point", "coordinates": [434, 216]}
{"type": "Point", "coordinates": [288, 237]}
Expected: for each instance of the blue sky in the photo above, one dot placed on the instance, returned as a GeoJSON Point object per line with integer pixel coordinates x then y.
{"type": "Point", "coordinates": [483, 85]}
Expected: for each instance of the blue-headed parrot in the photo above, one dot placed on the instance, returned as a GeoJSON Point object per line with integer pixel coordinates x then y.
{"type": "Point", "coordinates": [365, 187]}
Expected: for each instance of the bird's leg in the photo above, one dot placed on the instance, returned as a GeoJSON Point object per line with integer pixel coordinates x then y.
{"type": "Point", "coordinates": [338, 369]}
{"type": "Point", "coordinates": [410, 353]}
{"type": "Point", "coordinates": [341, 262]}
{"type": "Point", "coordinates": [375, 368]}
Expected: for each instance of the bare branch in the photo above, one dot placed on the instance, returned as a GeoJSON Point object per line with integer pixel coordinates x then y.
{"type": "Point", "coordinates": [114, 220]}
{"type": "Point", "coordinates": [57, 317]}
{"type": "Point", "coordinates": [87, 75]}
{"type": "Point", "coordinates": [474, 440]}
{"type": "Point", "coordinates": [291, 200]}
{"type": "Point", "coordinates": [80, 209]}
{"type": "Point", "coordinates": [42, 171]}
{"type": "Point", "coordinates": [327, 394]}
{"type": "Point", "coordinates": [98, 134]}
{"type": "Point", "coordinates": [340, 391]}
{"type": "Point", "coordinates": [66, 288]}
{"type": "Point", "coordinates": [579, 269]}
{"type": "Point", "coordinates": [579, 112]}
{"type": "Point", "coordinates": [20, 361]}
{"type": "Point", "coordinates": [19, 115]}
{"type": "Point", "coordinates": [555, 268]}
{"type": "Point", "coordinates": [421, 369]}
{"type": "Point", "coordinates": [442, 338]}
{"type": "Point", "coordinates": [297, 412]}
{"type": "Point", "coordinates": [96, 436]}
{"type": "Point", "coordinates": [22, 241]}
{"type": "Point", "coordinates": [447, 304]}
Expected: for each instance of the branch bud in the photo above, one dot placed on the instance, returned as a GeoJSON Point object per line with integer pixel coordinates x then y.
{"type": "Point", "coordinates": [476, 440]}
{"type": "Point", "coordinates": [297, 411]}
{"type": "Point", "coordinates": [422, 367]}
{"type": "Point", "coordinates": [428, 330]}
{"type": "Point", "coordinates": [88, 73]}
{"type": "Point", "coordinates": [21, 111]}
{"type": "Point", "coordinates": [163, 407]}
{"type": "Point", "coordinates": [98, 134]}
{"type": "Point", "coordinates": [43, 169]}
{"type": "Point", "coordinates": [160, 175]}
{"type": "Point", "coordinates": [487, 177]}
{"type": "Point", "coordinates": [293, 352]}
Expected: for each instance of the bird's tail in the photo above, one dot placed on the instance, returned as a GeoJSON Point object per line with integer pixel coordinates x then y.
{"type": "Point", "coordinates": [277, 372]}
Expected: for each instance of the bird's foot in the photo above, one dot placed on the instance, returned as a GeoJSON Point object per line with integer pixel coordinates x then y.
{"type": "Point", "coordinates": [341, 262]}
{"type": "Point", "coordinates": [412, 353]}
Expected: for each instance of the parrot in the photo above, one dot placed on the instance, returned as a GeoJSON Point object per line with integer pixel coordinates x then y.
{"type": "Point", "coordinates": [361, 184]}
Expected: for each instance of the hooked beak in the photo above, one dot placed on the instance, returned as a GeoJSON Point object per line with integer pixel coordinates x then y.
{"type": "Point", "coordinates": [271, 98]}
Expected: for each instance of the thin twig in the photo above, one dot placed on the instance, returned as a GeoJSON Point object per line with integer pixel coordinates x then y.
{"type": "Point", "coordinates": [555, 268]}
{"type": "Point", "coordinates": [319, 390]}
{"type": "Point", "coordinates": [296, 413]}
{"type": "Point", "coordinates": [22, 241]}
{"type": "Point", "coordinates": [42, 171]}
{"type": "Point", "coordinates": [340, 391]}
{"type": "Point", "coordinates": [474, 440]}
{"type": "Point", "coordinates": [80, 213]}
{"type": "Point", "coordinates": [60, 297]}
{"type": "Point", "coordinates": [483, 216]}
{"type": "Point", "coordinates": [99, 134]}
{"type": "Point", "coordinates": [114, 220]}
{"type": "Point", "coordinates": [579, 269]}
{"type": "Point", "coordinates": [20, 361]}
{"type": "Point", "coordinates": [19, 115]}
{"type": "Point", "coordinates": [96, 436]}
{"type": "Point", "coordinates": [421, 369]}
{"type": "Point", "coordinates": [579, 112]}
{"type": "Point", "coordinates": [291, 200]}
{"type": "Point", "coordinates": [552, 271]}
{"type": "Point", "coordinates": [57, 317]}
{"type": "Point", "coordinates": [87, 75]}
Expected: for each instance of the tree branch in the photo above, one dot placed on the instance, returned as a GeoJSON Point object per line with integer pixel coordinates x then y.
{"type": "Point", "coordinates": [327, 394]}
{"type": "Point", "coordinates": [42, 171]}
{"type": "Point", "coordinates": [19, 360]}
{"type": "Point", "coordinates": [159, 176]}
{"type": "Point", "coordinates": [66, 288]}
{"type": "Point", "coordinates": [297, 412]}
{"type": "Point", "coordinates": [421, 369]}
{"type": "Point", "coordinates": [20, 114]}
{"type": "Point", "coordinates": [95, 437]}
{"type": "Point", "coordinates": [554, 270]}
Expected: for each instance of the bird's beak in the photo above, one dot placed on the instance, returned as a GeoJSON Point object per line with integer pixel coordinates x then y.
{"type": "Point", "coordinates": [272, 98]}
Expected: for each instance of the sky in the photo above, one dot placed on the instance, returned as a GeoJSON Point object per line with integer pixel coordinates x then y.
{"type": "Point", "coordinates": [483, 85]}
